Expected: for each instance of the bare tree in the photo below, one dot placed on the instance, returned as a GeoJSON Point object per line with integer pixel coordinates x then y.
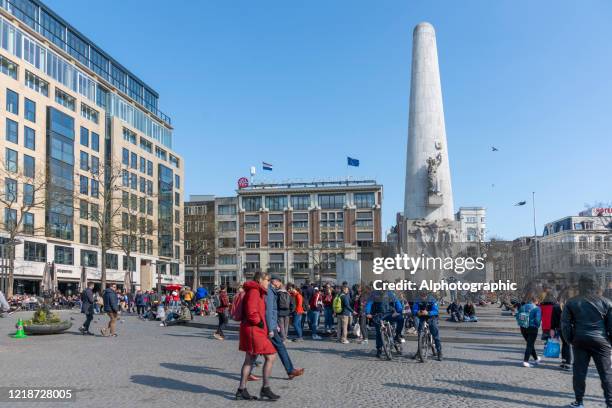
{"type": "Point", "coordinates": [134, 226]}
{"type": "Point", "coordinates": [107, 215]}
{"type": "Point", "coordinates": [200, 233]}
{"type": "Point", "coordinates": [24, 194]}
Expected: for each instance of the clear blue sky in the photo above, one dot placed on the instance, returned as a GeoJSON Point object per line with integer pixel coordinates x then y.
{"type": "Point", "coordinates": [304, 84]}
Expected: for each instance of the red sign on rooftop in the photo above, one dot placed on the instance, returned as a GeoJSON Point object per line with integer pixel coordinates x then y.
{"type": "Point", "coordinates": [243, 182]}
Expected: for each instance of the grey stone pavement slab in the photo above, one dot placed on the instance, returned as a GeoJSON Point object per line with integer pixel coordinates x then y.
{"type": "Point", "coordinates": [153, 366]}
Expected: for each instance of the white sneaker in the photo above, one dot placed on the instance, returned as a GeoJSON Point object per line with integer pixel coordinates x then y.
{"type": "Point", "coordinates": [365, 341]}
{"type": "Point", "coordinates": [315, 337]}
{"type": "Point", "coordinates": [527, 365]}
{"type": "Point", "coordinates": [345, 342]}
{"type": "Point", "coordinates": [576, 404]}
{"type": "Point", "coordinates": [538, 361]}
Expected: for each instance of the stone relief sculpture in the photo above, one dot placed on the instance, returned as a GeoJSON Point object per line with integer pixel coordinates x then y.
{"type": "Point", "coordinates": [432, 173]}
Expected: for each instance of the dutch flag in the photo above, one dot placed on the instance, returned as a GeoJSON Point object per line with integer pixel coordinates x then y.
{"type": "Point", "coordinates": [266, 166]}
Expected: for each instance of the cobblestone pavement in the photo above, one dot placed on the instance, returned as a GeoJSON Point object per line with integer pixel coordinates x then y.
{"type": "Point", "coordinates": [154, 366]}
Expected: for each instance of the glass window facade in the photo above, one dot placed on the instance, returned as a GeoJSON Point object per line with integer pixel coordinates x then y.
{"type": "Point", "coordinates": [23, 46]}
{"type": "Point", "coordinates": [165, 207]}
{"type": "Point", "coordinates": [12, 101]}
{"type": "Point", "coordinates": [30, 110]}
{"type": "Point", "coordinates": [60, 156]}
{"type": "Point", "coordinates": [335, 201]}
{"type": "Point", "coordinates": [64, 255]}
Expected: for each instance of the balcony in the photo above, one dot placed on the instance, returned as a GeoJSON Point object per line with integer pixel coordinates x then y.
{"type": "Point", "coordinates": [301, 272]}
{"type": "Point", "coordinates": [276, 227]}
{"type": "Point", "coordinates": [251, 227]}
{"type": "Point", "coordinates": [277, 270]}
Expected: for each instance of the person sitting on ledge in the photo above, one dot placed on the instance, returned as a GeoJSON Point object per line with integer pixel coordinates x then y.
{"type": "Point", "coordinates": [469, 312]}
{"type": "Point", "coordinates": [454, 310]}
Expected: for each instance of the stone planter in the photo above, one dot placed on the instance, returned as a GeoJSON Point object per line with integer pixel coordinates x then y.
{"type": "Point", "coordinates": [54, 328]}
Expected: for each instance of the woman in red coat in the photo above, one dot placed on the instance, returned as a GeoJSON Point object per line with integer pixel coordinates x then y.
{"type": "Point", "coordinates": [254, 338]}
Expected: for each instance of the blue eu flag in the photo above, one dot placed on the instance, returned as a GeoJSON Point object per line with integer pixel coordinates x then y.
{"type": "Point", "coordinates": [352, 162]}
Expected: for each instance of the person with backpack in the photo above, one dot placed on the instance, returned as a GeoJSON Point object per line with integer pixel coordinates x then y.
{"type": "Point", "coordinates": [529, 318]}
{"type": "Point", "coordinates": [273, 327]}
{"type": "Point", "coordinates": [586, 323]}
{"type": "Point", "coordinates": [254, 336]}
{"type": "Point", "coordinates": [284, 310]}
{"type": "Point", "coordinates": [298, 300]}
{"type": "Point", "coordinates": [221, 313]}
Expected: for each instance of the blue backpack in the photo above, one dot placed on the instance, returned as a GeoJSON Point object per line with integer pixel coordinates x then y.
{"type": "Point", "coordinates": [523, 317]}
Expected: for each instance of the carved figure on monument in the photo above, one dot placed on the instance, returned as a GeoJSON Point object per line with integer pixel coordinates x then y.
{"type": "Point", "coordinates": [432, 174]}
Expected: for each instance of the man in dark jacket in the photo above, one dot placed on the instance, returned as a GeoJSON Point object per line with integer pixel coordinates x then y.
{"type": "Point", "coordinates": [586, 323]}
{"type": "Point", "coordinates": [111, 308]}
{"type": "Point", "coordinates": [87, 307]}
{"type": "Point", "coordinates": [344, 317]}
{"type": "Point", "coordinates": [272, 324]}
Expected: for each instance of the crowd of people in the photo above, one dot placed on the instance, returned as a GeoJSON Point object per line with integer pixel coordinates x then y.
{"type": "Point", "coordinates": [579, 319]}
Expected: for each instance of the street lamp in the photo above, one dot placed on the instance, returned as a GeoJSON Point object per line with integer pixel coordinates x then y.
{"type": "Point", "coordinates": [158, 270]}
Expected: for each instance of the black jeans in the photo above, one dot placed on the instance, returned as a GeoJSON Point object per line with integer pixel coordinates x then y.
{"type": "Point", "coordinates": [530, 335]}
{"type": "Point", "coordinates": [140, 309]}
{"type": "Point", "coordinates": [600, 353]}
{"type": "Point", "coordinates": [88, 319]}
{"type": "Point", "coordinates": [222, 321]}
{"type": "Point", "coordinates": [566, 351]}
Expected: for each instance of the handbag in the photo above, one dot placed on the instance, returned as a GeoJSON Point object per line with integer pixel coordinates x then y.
{"type": "Point", "coordinates": [552, 349]}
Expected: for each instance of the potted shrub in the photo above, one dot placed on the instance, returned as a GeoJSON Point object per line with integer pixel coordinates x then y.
{"type": "Point", "coordinates": [45, 322]}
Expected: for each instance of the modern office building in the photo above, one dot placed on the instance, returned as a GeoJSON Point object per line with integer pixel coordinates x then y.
{"type": "Point", "coordinates": [211, 235]}
{"type": "Point", "coordinates": [472, 223]}
{"type": "Point", "coordinates": [73, 117]}
{"type": "Point", "coordinates": [301, 230]}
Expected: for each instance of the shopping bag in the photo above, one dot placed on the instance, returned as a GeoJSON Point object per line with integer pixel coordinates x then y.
{"type": "Point", "coordinates": [357, 330]}
{"type": "Point", "coordinates": [552, 349]}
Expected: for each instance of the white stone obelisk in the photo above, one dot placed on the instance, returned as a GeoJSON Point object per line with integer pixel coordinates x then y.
{"type": "Point", "coordinates": [428, 192]}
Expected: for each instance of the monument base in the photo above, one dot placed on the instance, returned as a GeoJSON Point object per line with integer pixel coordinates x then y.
{"type": "Point", "coordinates": [435, 200]}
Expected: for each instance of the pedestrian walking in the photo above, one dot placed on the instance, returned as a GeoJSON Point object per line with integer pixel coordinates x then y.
{"type": "Point", "coordinates": [111, 307]}
{"type": "Point", "coordinates": [272, 298]}
{"type": "Point", "coordinates": [139, 299]}
{"type": "Point", "coordinates": [529, 318]}
{"type": "Point", "coordinates": [87, 307]}
{"type": "Point", "coordinates": [254, 338]}
{"type": "Point", "coordinates": [224, 304]}
{"type": "Point", "coordinates": [298, 312]}
{"type": "Point", "coordinates": [284, 310]}
{"type": "Point", "coordinates": [586, 322]}
{"type": "Point", "coordinates": [557, 333]}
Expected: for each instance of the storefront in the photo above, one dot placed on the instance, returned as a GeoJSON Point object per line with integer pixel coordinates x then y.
{"type": "Point", "coordinates": [27, 286]}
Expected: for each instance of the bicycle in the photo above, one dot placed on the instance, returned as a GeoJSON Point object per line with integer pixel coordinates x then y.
{"type": "Point", "coordinates": [425, 342]}
{"type": "Point", "coordinates": [389, 343]}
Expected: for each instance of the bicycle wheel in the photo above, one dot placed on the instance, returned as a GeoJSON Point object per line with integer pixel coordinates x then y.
{"type": "Point", "coordinates": [387, 344]}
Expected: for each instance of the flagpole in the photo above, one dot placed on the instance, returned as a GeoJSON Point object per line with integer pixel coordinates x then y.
{"type": "Point", "coordinates": [535, 234]}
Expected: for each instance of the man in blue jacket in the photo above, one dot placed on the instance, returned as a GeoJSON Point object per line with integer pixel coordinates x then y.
{"type": "Point", "coordinates": [426, 308]}
{"type": "Point", "coordinates": [385, 306]}
{"type": "Point", "coordinates": [529, 318]}
{"type": "Point", "coordinates": [272, 323]}
{"type": "Point", "coordinates": [111, 308]}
